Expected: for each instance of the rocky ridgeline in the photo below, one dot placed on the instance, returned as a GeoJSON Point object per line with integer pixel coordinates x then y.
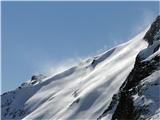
{"type": "Point", "coordinates": [123, 103]}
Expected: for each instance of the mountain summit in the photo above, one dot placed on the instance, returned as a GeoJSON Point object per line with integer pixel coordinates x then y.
{"type": "Point", "coordinates": [122, 83]}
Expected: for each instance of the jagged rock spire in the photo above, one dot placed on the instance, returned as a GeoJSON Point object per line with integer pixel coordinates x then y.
{"type": "Point", "coordinates": [155, 27]}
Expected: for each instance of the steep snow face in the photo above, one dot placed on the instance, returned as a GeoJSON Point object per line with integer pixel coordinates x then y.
{"type": "Point", "coordinates": [82, 92]}
{"type": "Point", "coordinates": [138, 97]}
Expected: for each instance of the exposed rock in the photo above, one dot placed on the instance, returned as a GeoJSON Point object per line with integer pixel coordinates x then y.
{"type": "Point", "coordinates": [152, 31]}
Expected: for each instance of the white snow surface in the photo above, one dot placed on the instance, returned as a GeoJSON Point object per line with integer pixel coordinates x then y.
{"type": "Point", "coordinates": [149, 96]}
{"type": "Point", "coordinates": [83, 92]}
{"type": "Point", "coordinates": [149, 51]}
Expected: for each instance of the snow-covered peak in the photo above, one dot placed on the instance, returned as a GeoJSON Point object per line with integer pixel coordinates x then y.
{"type": "Point", "coordinates": [35, 79]}
{"type": "Point", "coordinates": [86, 91]}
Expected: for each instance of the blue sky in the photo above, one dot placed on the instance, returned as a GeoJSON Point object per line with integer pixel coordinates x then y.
{"type": "Point", "coordinates": [44, 37]}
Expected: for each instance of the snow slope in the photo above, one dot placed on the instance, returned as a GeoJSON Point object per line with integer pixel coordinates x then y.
{"type": "Point", "coordinates": [139, 96]}
{"type": "Point", "coordinates": [81, 92]}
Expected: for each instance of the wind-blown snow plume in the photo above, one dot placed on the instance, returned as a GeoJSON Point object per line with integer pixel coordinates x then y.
{"type": "Point", "coordinates": [96, 88]}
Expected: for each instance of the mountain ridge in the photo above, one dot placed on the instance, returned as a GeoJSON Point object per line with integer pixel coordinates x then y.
{"type": "Point", "coordinates": [102, 87]}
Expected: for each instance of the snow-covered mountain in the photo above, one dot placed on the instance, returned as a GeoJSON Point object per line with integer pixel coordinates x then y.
{"type": "Point", "coordinates": [122, 83]}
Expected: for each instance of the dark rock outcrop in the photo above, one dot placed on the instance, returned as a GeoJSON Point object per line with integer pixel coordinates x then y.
{"type": "Point", "coordinates": [142, 69]}
{"type": "Point", "coordinates": [122, 105]}
{"type": "Point", "coordinates": [125, 109]}
{"type": "Point", "coordinates": [149, 36]}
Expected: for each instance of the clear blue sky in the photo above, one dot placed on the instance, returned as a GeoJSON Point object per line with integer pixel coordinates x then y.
{"type": "Point", "coordinates": [40, 34]}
